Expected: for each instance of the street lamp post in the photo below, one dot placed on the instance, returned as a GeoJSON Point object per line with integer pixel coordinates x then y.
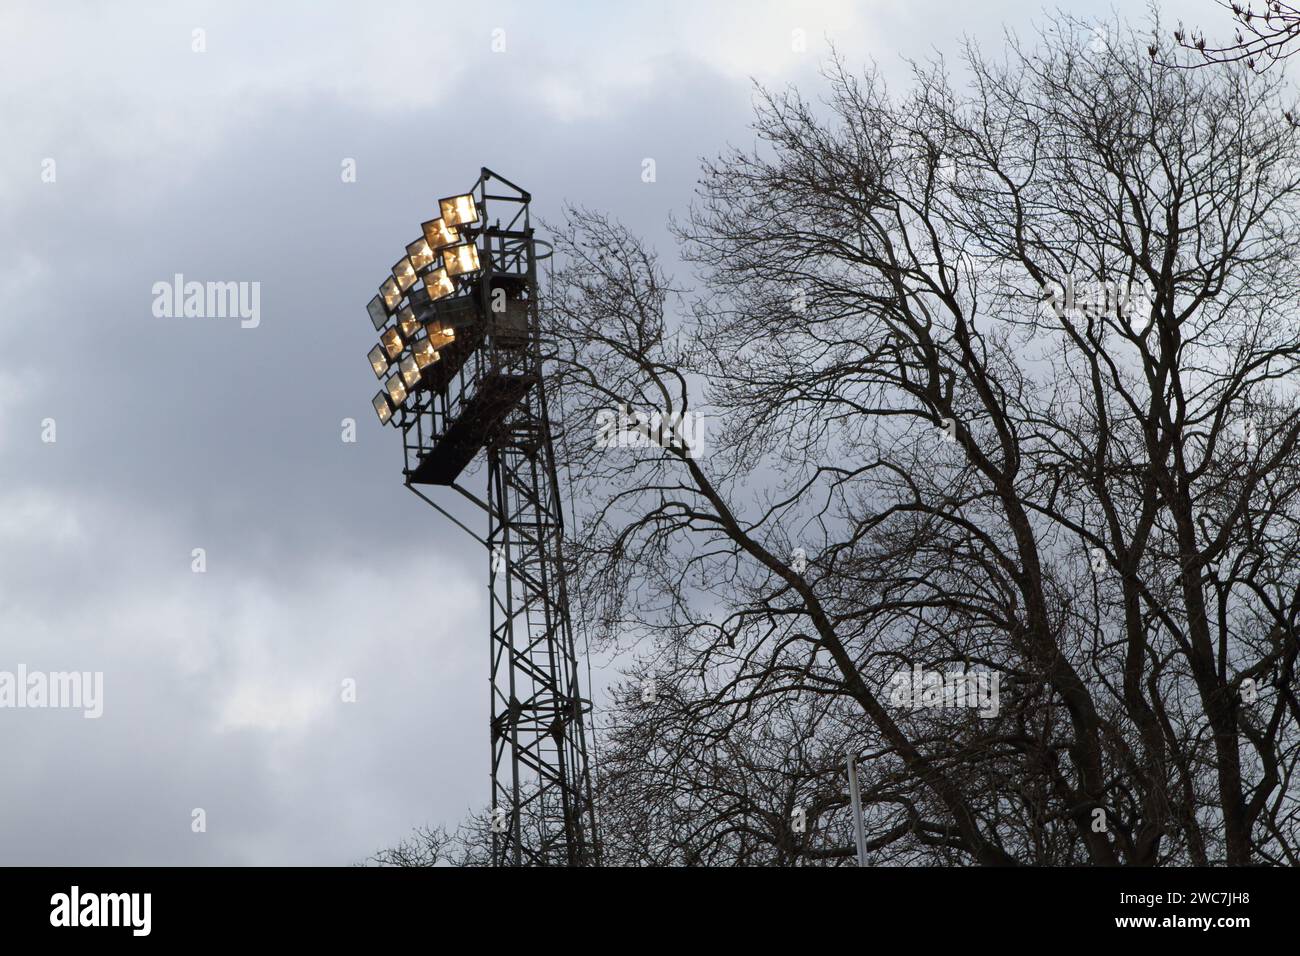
{"type": "Point", "coordinates": [855, 798]}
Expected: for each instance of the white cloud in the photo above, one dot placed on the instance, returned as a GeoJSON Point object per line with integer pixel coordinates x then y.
{"type": "Point", "coordinates": [32, 519]}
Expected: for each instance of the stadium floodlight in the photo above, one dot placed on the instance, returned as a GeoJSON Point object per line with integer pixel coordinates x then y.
{"type": "Point", "coordinates": [391, 295]}
{"type": "Point", "coordinates": [438, 284]}
{"type": "Point", "coordinates": [460, 259]}
{"type": "Point", "coordinates": [439, 334]}
{"type": "Point", "coordinates": [407, 322]}
{"type": "Point", "coordinates": [421, 254]}
{"type": "Point", "coordinates": [392, 342]}
{"type": "Point", "coordinates": [425, 353]}
{"type": "Point", "coordinates": [396, 388]}
{"type": "Point", "coordinates": [455, 381]}
{"type": "Point", "coordinates": [378, 314]}
{"type": "Point", "coordinates": [410, 371]}
{"type": "Point", "coordinates": [437, 233]}
{"type": "Point", "coordinates": [458, 210]}
{"type": "Point", "coordinates": [404, 273]}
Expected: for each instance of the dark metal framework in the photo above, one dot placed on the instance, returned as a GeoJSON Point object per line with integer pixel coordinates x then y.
{"type": "Point", "coordinates": [486, 393]}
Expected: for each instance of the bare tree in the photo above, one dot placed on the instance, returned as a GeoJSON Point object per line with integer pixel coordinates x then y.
{"type": "Point", "coordinates": [684, 781]}
{"type": "Point", "coordinates": [427, 846]}
{"type": "Point", "coordinates": [947, 436]}
{"type": "Point", "coordinates": [677, 788]}
{"type": "Point", "coordinates": [1265, 33]}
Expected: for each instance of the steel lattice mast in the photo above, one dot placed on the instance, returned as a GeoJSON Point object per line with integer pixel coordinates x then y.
{"type": "Point", "coordinates": [484, 391]}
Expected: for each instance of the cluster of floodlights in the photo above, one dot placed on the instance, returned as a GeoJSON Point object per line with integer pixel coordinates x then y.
{"type": "Point", "coordinates": [410, 344]}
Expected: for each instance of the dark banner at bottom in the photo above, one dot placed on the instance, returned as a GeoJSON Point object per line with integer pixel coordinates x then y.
{"type": "Point", "coordinates": [97, 905]}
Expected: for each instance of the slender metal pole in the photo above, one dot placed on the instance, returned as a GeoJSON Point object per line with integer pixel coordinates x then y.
{"type": "Point", "coordinates": [856, 799]}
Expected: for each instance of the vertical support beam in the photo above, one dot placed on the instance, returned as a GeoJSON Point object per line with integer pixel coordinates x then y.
{"type": "Point", "coordinates": [539, 769]}
{"type": "Point", "coordinates": [540, 763]}
{"type": "Point", "coordinates": [507, 847]}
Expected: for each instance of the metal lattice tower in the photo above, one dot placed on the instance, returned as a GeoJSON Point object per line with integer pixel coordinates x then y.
{"type": "Point", "coordinates": [484, 392]}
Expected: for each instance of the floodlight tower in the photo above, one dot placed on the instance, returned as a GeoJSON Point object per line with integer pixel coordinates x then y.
{"type": "Point", "coordinates": [460, 358]}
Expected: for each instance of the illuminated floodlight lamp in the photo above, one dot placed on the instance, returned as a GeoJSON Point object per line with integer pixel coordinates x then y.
{"type": "Point", "coordinates": [460, 259]}
{"type": "Point", "coordinates": [392, 343]}
{"type": "Point", "coordinates": [378, 361]}
{"type": "Point", "coordinates": [458, 210]}
{"type": "Point", "coordinates": [438, 284]}
{"type": "Point", "coordinates": [407, 323]}
{"type": "Point", "coordinates": [410, 371]}
{"type": "Point", "coordinates": [396, 388]}
{"type": "Point", "coordinates": [421, 254]}
{"type": "Point", "coordinates": [378, 313]}
{"type": "Point", "coordinates": [425, 353]}
{"type": "Point", "coordinates": [382, 408]}
{"type": "Point", "coordinates": [440, 334]}
{"type": "Point", "coordinates": [391, 294]}
{"type": "Point", "coordinates": [404, 273]}
{"type": "Point", "coordinates": [437, 233]}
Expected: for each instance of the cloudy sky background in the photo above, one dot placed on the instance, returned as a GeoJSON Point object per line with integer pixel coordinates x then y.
{"type": "Point", "coordinates": [222, 690]}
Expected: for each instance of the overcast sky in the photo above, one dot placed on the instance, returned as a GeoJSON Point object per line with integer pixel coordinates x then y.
{"type": "Point", "coordinates": [222, 690]}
